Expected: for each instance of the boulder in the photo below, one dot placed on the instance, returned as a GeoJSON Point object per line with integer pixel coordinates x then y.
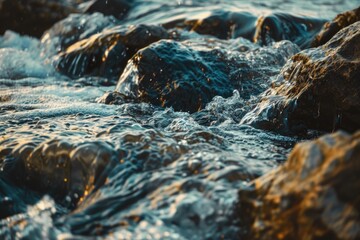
{"type": "Point", "coordinates": [314, 195]}
{"type": "Point", "coordinates": [341, 21]}
{"type": "Point", "coordinates": [318, 89]}
{"type": "Point", "coordinates": [281, 26]}
{"type": "Point", "coordinates": [32, 17]}
{"type": "Point", "coordinates": [186, 75]}
{"type": "Point", "coordinates": [264, 30]}
{"type": "Point", "coordinates": [106, 54]}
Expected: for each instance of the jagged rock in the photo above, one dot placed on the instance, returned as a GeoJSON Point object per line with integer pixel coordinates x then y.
{"type": "Point", "coordinates": [106, 54]}
{"type": "Point", "coordinates": [187, 75]}
{"type": "Point", "coordinates": [339, 22]}
{"type": "Point", "coordinates": [32, 17]}
{"type": "Point", "coordinates": [282, 26]}
{"type": "Point", "coordinates": [314, 195]}
{"type": "Point", "coordinates": [67, 172]}
{"type": "Point", "coordinates": [318, 89]}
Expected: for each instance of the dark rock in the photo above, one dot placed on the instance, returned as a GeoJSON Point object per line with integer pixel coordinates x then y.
{"type": "Point", "coordinates": [264, 29]}
{"type": "Point", "coordinates": [106, 54]}
{"type": "Point", "coordinates": [224, 25]}
{"type": "Point", "coordinates": [339, 22]}
{"type": "Point", "coordinates": [318, 88]}
{"type": "Point", "coordinates": [32, 17]}
{"type": "Point", "coordinates": [116, 8]}
{"type": "Point", "coordinates": [314, 195]}
{"type": "Point", "coordinates": [282, 26]}
{"type": "Point", "coordinates": [187, 75]}
{"type": "Point", "coordinates": [173, 74]}
{"type": "Point", "coordinates": [114, 98]}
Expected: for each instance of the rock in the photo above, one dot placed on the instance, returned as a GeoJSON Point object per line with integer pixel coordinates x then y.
{"type": "Point", "coordinates": [282, 26]}
{"type": "Point", "coordinates": [264, 30]}
{"type": "Point", "coordinates": [32, 17]}
{"type": "Point", "coordinates": [318, 89]}
{"type": "Point", "coordinates": [106, 54]}
{"type": "Point", "coordinates": [74, 28]}
{"type": "Point", "coordinates": [67, 172]}
{"type": "Point", "coordinates": [187, 75]}
{"type": "Point", "coordinates": [314, 195]}
{"type": "Point", "coordinates": [223, 24]}
{"type": "Point", "coordinates": [116, 8]}
{"type": "Point", "coordinates": [114, 98]}
{"type": "Point", "coordinates": [339, 22]}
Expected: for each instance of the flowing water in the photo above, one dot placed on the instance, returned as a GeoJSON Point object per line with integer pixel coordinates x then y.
{"type": "Point", "coordinates": [74, 167]}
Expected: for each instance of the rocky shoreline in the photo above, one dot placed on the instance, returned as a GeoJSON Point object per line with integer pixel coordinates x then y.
{"type": "Point", "coordinates": [294, 75]}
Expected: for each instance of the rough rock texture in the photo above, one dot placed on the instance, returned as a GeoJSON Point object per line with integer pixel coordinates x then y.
{"type": "Point", "coordinates": [106, 54]}
{"type": "Point", "coordinates": [32, 17]}
{"type": "Point", "coordinates": [314, 195]}
{"type": "Point", "coordinates": [66, 171]}
{"type": "Point", "coordinates": [282, 26]}
{"type": "Point", "coordinates": [187, 75]}
{"type": "Point", "coordinates": [318, 88]}
{"type": "Point", "coordinates": [339, 22]}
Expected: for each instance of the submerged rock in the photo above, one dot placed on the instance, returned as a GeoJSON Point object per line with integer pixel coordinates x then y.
{"type": "Point", "coordinates": [106, 54]}
{"type": "Point", "coordinates": [339, 22]}
{"type": "Point", "coordinates": [68, 172]}
{"type": "Point", "coordinates": [318, 88]}
{"type": "Point", "coordinates": [32, 17]}
{"type": "Point", "coordinates": [314, 195]}
{"type": "Point", "coordinates": [187, 75]}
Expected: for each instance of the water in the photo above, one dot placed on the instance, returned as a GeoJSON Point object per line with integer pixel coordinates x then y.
{"type": "Point", "coordinates": [74, 167]}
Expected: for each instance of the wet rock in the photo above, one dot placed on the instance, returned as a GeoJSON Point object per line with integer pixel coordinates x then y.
{"type": "Point", "coordinates": [314, 195]}
{"type": "Point", "coordinates": [282, 26]}
{"type": "Point", "coordinates": [114, 98]}
{"type": "Point", "coordinates": [264, 30]}
{"type": "Point", "coordinates": [187, 75]}
{"type": "Point", "coordinates": [318, 88]}
{"type": "Point", "coordinates": [339, 22]}
{"type": "Point", "coordinates": [67, 172]}
{"type": "Point", "coordinates": [224, 24]}
{"type": "Point", "coordinates": [172, 74]}
{"type": "Point", "coordinates": [106, 54]}
{"type": "Point", "coordinates": [74, 28]}
{"type": "Point", "coordinates": [32, 17]}
{"type": "Point", "coordinates": [116, 8]}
